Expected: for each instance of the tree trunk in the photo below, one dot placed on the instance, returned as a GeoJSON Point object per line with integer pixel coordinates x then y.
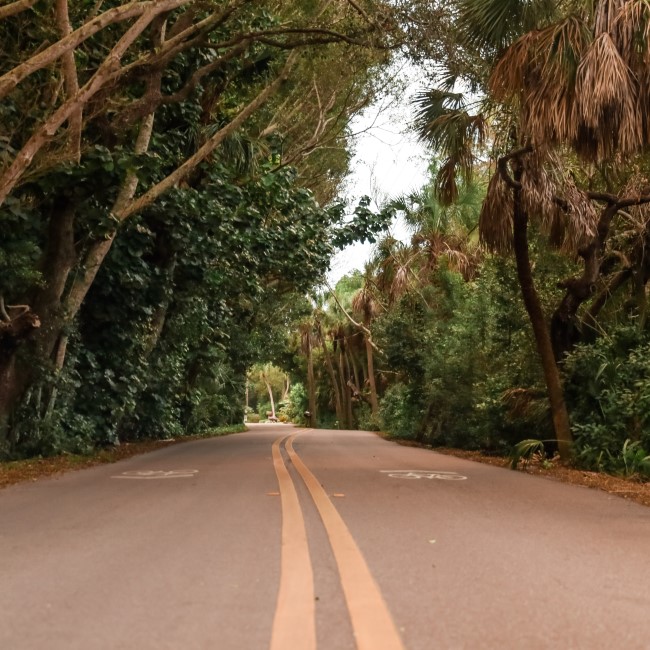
{"type": "Point", "coordinates": [542, 336]}
{"type": "Point", "coordinates": [374, 402]}
{"type": "Point", "coordinates": [565, 330]}
{"type": "Point", "coordinates": [345, 391]}
{"type": "Point", "coordinates": [355, 364]}
{"type": "Point", "coordinates": [58, 260]}
{"type": "Point", "coordinates": [311, 385]}
{"type": "Point", "coordinates": [349, 393]}
{"type": "Point", "coordinates": [332, 375]}
{"type": "Point", "coordinates": [270, 391]}
{"type": "Point", "coordinates": [17, 327]}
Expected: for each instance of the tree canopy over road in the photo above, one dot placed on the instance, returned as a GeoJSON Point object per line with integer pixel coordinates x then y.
{"type": "Point", "coordinates": [169, 174]}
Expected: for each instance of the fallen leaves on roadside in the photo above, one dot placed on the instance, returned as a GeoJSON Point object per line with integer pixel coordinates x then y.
{"type": "Point", "coordinates": [33, 469]}
{"type": "Point", "coordinates": [627, 488]}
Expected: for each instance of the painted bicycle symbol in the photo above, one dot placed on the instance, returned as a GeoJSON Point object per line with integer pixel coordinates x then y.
{"type": "Point", "coordinates": [415, 474]}
{"type": "Point", "coordinates": [158, 474]}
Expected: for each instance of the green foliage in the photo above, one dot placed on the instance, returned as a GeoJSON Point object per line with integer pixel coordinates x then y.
{"type": "Point", "coordinates": [19, 251]}
{"type": "Point", "coordinates": [364, 225]}
{"type": "Point", "coordinates": [462, 351]}
{"type": "Point", "coordinates": [205, 280]}
{"type": "Point", "coordinates": [399, 412]}
{"type": "Point", "coordinates": [527, 449]}
{"type": "Point", "coordinates": [297, 404]}
{"type": "Point", "coordinates": [366, 421]}
{"type": "Point", "coordinates": [608, 391]}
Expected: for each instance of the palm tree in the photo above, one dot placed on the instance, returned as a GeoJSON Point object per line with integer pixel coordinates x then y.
{"type": "Point", "coordinates": [365, 303]}
{"type": "Point", "coordinates": [569, 76]}
{"type": "Point", "coordinates": [320, 324]}
{"type": "Point", "coordinates": [441, 230]}
{"type": "Point", "coordinates": [307, 341]}
{"type": "Point", "coordinates": [580, 82]}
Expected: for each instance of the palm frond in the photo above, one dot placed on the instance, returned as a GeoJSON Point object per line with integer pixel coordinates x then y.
{"type": "Point", "coordinates": [496, 218]}
{"type": "Point", "coordinates": [495, 24]}
{"type": "Point", "coordinates": [446, 185]}
{"type": "Point", "coordinates": [538, 188]}
{"type": "Point", "coordinates": [607, 13]}
{"type": "Point", "coordinates": [443, 121]}
{"type": "Point", "coordinates": [400, 282]}
{"type": "Point", "coordinates": [606, 93]}
{"type": "Point", "coordinates": [509, 77]}
{"type": "Point", "coordinates": [582, 218]}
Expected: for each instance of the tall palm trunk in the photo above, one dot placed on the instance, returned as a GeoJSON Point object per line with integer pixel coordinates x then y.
{"type": "Point", "coordinates": [349, 392]}
{"type": "Point", "coordinates": [345, 390]}
{"type": "Point", "coordinates": [329, 367]}
{"type": "Point", "coordinates": [538, 321]}
{"type": "Point", "coordinates": [374, 402]}
{"type": "Point", "coordinates": [311, 385]}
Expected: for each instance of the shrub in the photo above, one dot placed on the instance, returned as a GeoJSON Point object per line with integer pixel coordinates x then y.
{"type": "Point", "coordinates": [608, 394]}
{"type": "Point", "coordinates": [398, 415]}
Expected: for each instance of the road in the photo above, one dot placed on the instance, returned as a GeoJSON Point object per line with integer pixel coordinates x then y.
{"type": "Point", "coordinates": [291, 539]}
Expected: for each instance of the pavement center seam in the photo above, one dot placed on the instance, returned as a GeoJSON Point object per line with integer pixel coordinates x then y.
{"type": "Point", "coordinates": [372, 622]}
{"type": "Point", "coordinates": [294, 623]}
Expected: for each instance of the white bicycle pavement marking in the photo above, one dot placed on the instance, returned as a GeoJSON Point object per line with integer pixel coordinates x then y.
{"type": "Point", "coordinates": [424, 473]}
{"type": "Point", "coordinates": [158, 474]}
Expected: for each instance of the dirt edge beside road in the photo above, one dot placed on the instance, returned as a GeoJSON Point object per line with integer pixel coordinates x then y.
{"type": "Point", "coordinates": [38, 468]}
{"type": "Point", "coordinates": [631, 488]}
{"type": "Point", "coordinates": [33, 469]}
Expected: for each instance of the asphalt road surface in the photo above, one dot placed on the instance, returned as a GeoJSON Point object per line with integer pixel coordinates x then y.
{"type": "Point", "coordinates": [290, 539]}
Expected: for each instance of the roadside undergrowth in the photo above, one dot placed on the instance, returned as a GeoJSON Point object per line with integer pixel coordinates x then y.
{"type": "Point", "coordinates": [33, 469]}
{"type": "Point", "coordinates": [632, 488]}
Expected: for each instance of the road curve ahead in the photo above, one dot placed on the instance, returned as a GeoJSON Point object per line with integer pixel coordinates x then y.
{"type": "Point", "coordinates": [294, 539]}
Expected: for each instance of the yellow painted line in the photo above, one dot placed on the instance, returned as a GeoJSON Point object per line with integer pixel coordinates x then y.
{"type": "Point", "coordinates": [294, 624]}
{"type": "Point", "coordinates": [372, 623]}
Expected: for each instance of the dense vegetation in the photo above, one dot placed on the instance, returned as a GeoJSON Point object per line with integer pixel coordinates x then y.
{"type": "Point", "coordinates": [518, 312]}
{"type": "Point", "coordinates": [167, 176]}
{"type": "Point", "coordinates": [168, 182]}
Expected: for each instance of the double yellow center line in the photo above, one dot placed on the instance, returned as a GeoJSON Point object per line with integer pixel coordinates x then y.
{"type": "Point", "coordinates": [294, 625]}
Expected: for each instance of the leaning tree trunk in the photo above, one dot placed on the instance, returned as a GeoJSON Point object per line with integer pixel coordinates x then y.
{"type": "Point", "coordinates": [270, 392]}
{"type": "Point", "coordinates": [538, 321]}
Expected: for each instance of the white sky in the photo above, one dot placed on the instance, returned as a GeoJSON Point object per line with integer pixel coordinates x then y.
{"type": "Point", "coordinates": [389, 161]}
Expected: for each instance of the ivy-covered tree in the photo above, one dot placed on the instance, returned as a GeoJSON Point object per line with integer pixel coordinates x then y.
{"type": "Point", "coordinates": [141, 143]}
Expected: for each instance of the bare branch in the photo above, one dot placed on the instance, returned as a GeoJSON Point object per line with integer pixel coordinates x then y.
{"type": "Point", "coordinates": [4, 316]}
{"type": "Point", "coordinates": [44, 58]}
{"type": "Point", "coordinates": [15, 8]}
{"type": "Point", "coordinates": [149, 102]}
{"type": "Point", "coordinates": [360, 10]}
{"type": "Point", "coordinates": [505, 160]}
{"type": "Point", "coordinates": [360, 326]}
{"type": "Point", "coordinates": [98, 251]}
{"type": "Point", "coordinates": [191, 163]}
{"type": "Point", "coordinates": [71, 80]}
{"type": "Point", "coordinates": [48, 129]}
